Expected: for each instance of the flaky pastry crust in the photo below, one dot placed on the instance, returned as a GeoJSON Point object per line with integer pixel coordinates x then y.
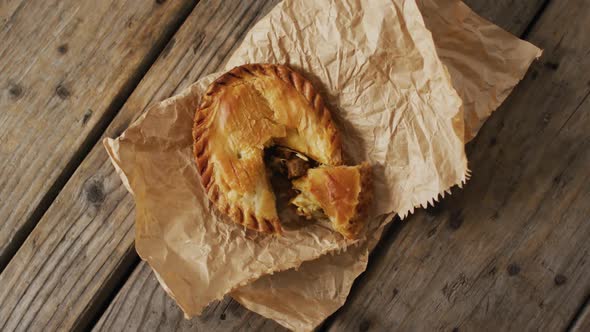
{"type": "Point", "coordinates": [340, 193]}
{"type": "Point", "coordinates": [245, 111]}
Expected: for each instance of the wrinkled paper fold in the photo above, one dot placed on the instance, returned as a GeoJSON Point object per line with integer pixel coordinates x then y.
{"type": "Point", "coordinates": [405, 99]}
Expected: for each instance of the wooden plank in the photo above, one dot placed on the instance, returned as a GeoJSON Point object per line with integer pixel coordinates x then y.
{"type": "Point", "coordinates": [511, 250]}
{"type": "Point", "coordinates": [513, 16]}
{"type": "Point", "coordinates": [82, 247]}
{"type": "Point", "coordinates": [143, 306]}
{"type": "Point", "coordinates": [582, 323]}
{"type": "Point", "coordinates": [163, 312]}
{"type": "Point", "coordinates": [66, 68]}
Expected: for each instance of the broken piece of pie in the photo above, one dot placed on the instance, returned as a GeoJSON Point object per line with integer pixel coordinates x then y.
{"type": "Point", "coordinates": [340, 193]}
{"type": "Point", "coordinates": [258, 107]}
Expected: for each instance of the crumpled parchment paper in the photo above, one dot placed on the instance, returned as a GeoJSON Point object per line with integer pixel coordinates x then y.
{"type": "Point", "coordinates": [397, 105]}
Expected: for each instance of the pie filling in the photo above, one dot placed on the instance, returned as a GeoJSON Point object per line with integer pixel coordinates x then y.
{"type": "Point", "coordinates": [288, 162]}
{"type": "Point", "coordinates": [302, 186]}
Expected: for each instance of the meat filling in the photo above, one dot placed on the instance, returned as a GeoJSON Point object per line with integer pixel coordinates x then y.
{"type": "Point", "coordinates": [288, 162]}
{"type": "Point", "coordinates": [296, 167]}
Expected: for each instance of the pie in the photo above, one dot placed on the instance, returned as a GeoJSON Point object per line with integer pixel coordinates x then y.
{"type": "Point", "coordinates": [340, 193]}
{"type": "Point", "coordinates": [243, 115]}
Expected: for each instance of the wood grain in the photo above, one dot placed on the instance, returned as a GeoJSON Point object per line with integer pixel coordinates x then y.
{"type": "Point", "coordinates": [142, 305]}
{"type": "Point", "coordinates": [512, 15]}
{"type": "Point", "coordinates": [582, 324]}
{"type": "Point", "coordinates": [164, 314]}
{"type": "Point", "coordinates": [66, 68]}
{"type": "Point", "coordinates": [511, 250]}
{"type": "Point", "coordinates": [82, 248]}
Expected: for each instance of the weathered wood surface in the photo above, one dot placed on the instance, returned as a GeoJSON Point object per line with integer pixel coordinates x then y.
{"type": "Point", "coordinates": [228, 315]}
{"type": "Point", "coordinates": [83, 246]}
{"type": "Point", "coordinates": [511, 15]}
{"type": "Point", "coordinates": [66, 66]}
{"type": "Point", "coordinates": [582, 324]}
{"type": "Point", "coordinates": [142, 305]}
{"type": "Point", "coordinates": [511, 250]}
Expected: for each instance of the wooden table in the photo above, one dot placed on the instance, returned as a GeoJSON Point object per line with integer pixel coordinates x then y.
{"type": "Point", "coordinates": [508, 252]}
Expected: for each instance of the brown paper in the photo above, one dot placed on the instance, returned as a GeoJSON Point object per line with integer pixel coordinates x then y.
{"type": "Point", "coordinates": [377, 66]}
{"type": "Point", "coordinates": [485, 61]}
{"type": "Point", "coordinates": [197, 253]}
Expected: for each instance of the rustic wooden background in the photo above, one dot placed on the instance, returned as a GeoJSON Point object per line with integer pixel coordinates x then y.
{"type": "Point", "coordinates": [509, 252]}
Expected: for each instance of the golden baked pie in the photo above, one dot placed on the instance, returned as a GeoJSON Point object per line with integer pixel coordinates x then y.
{"type": "Point", "coordinates": [340, 193]}
{"type": "Point", "coordinates": [243, 113]}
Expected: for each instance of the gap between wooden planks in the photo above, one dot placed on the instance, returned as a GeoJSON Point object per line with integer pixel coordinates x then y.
{"type": "Point", "coordinates": [511, 250]}
{"type": "Point", "coordinates": [67, 67]}
{"type": "Point", "coordinates": [82, 247]}
{"type": "Point", "coordinates": [582, 322]}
